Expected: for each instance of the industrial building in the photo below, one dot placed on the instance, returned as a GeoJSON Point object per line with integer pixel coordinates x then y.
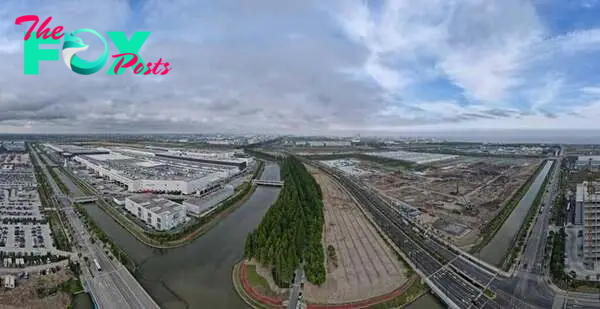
{"type": "Point", "coordinates": [587, 161]}
{"type": "Point", "coordinates": [13, 146]}
{"type": "Point", "coordinates": [160, 213]}
{"type": "Point", "coordinates": [69, 151]}
{"type": "Point", "coordinates": [588, 213]}
{"type": "Point", "coordinates": [323, 143]}
{"type": "Point", "coordinates": [203, 205]}
{"type": "Point", "coordinates": [219, 158]}
{"type": "Point", "coordinates": [144, 175]}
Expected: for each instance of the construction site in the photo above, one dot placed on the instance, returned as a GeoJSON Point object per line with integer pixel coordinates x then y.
{"type": "Point", "coordinates": [359, 263]}
{"type": "Point", "coordinates": [455, 198]}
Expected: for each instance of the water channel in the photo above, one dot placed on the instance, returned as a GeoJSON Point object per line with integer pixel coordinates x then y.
{"type": "Point", "coordinates": [427, 301]}
{"type": "Point", "coordinates": [494, 252]}
{"type": "Point", "coordinates": [197, 275]}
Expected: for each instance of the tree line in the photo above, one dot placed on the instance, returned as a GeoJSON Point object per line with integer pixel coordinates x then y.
{"type": "Point", "coordinates": [291, 230]}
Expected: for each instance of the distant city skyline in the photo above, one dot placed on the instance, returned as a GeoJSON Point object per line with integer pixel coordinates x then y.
{"type": "Point", "coordinates": [314, 67]}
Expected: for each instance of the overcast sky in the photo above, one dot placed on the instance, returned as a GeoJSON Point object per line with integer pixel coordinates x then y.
{"type": "Point", "coordinates": [313, 67]}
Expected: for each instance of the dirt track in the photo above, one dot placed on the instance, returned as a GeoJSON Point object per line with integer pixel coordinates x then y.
{"type": "Point", "coordinates": [366, 266]}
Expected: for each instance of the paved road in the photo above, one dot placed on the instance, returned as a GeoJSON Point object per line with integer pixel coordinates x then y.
{"type": "Point", "coordinates": [531, 268]}
{"type": "Point", "coordinates": [294, 302]}
{"type": "Point", "coordinates": [113, 286]}
{"type": "Point", "coordinates": [459, 280]}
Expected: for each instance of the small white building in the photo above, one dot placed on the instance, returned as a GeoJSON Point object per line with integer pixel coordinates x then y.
{"type": "Point", "coordinates": [9, 281]}
{"type": "Point", "coordinates": [160, 213]}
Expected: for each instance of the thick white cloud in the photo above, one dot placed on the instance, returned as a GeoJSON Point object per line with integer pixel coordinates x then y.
{"type": "Point", "coordinates": [300, 66]}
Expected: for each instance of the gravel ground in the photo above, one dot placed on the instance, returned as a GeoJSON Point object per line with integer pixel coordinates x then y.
{"type": "Point", "coordinates": [24, 295]}
{"type": "Point", "coordinates": [366, 266]}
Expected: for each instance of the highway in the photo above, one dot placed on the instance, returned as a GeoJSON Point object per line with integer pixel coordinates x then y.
{"type": "Point", "coordinates": [531, 269]}
{"type": "Point", "coordinates": [448, 271]}
{"type": "Point", "coordinates": [461, 280]}
{"type": "Point", "coordinates": [112, 286]}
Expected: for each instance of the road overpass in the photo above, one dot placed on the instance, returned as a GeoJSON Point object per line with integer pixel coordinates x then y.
{"type": "Point", "coordinates": [272, 183]}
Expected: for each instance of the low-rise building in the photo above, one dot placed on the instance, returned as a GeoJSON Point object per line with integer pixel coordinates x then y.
{"type": "Point", "coordinates": [160, 213]}
{"type": "Point", "coordinates": [203, 205]}
{"type": "Point", "coordinates": [9, 281]}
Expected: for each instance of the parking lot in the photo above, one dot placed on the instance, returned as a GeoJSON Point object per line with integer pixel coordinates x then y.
{"type": "Point", "coordinates": [25, 238]}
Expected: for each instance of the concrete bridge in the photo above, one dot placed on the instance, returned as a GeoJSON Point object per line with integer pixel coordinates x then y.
{"type": "Point", "coordinates": [272, 183]}
{"type": "Point", "coordinates": [84, 199]}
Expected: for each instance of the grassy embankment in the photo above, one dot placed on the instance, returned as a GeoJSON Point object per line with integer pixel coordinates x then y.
{"type": "Point", "coordinates": [491, 228]}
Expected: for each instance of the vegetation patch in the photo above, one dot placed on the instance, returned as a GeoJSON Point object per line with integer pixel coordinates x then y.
{"type": "Point", "coordinates": [291, 230]}
{"type": "Point", "coordinates": [59, 236]}
{"type": "Point", "coordinates": [414, 291]}
{"type": "Point", "coordinates": [489, 294]}
{"type": "Point", "coordinates": [332, 257]}
{"type": "Point", "coordinates": [255, 279]}
{"type": "Point", "coordinates": [557, 258]}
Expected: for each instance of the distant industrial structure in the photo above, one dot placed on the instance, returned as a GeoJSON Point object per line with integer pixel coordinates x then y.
{"type": "Point", "coordinates": [157, 169]}
{"type": "Point", "coordinates": [69, 151]}
{"type": "Point", "coordinates": [587, 212]}
{"type": "Point", "coordinates": [13, 146]}
{"type": "Point", "coordinates": [155, 176]}
{"type": "Point", "coordinates": [587, 161]}
{"type": "Point", "coordinates": [160, 213]}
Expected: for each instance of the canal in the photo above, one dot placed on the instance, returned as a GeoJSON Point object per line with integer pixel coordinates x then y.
{"type": "Point", "coordinates": [197, 275]}
{"type": "Point", "coordinates": [427, 301]}
{"type": "Point", "coordinates": [496, 249]}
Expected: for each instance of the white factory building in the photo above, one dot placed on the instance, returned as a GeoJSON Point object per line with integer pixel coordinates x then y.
{"type": "Point", "coordinates": [188, 184]}
{"type": "Point", "coordinates": [588, 161]}
{"type": "Point", "coordinates": [160, 213]}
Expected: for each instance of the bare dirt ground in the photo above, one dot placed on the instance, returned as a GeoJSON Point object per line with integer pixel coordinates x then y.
{"type": "Point", "coordinates": [456, 199]}
{"type": "Point", "coordinates": [365, 266]}
{"type": "Point", "coordinates": [24, 295]}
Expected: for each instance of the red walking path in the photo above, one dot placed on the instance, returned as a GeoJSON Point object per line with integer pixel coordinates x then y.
{"type": "Point", "coordinates": [277, 303]}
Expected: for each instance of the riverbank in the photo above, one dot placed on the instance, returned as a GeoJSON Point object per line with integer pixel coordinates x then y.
{"type": "Point", "coordinates": [523, 234]}
{"type": "Point", "coordinates": [490, 230]}
{"type": "Point", "coordinates": [200, 272]}
{"type": "Point", "coordinates": [189, 233]}
{"type": "Point", "coordinates": [494, 253]}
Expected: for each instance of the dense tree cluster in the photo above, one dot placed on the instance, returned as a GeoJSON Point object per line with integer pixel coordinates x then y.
{"type": "Point", "coordinates": [292, 228]}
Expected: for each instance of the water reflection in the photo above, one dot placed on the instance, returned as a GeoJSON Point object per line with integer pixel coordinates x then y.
{"type": "Point", "coordinates": [197, 275]}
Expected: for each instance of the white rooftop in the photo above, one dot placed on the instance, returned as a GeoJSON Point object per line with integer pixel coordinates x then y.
{"type": "Point", "coordinates": [157, 205]}
{"type": "Point", "coordinates": [109, 157]}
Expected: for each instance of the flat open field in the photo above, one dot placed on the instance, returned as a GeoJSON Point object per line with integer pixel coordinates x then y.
{"type": "Point", "coordinates": [25, 295]}
{"type": "Point", "coordinates": [456, 198]}
{"type": "Point", "coordinates": [363, 265]}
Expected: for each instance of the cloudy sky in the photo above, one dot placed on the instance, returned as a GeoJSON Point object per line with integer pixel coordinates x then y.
{"type": "Point", "coordinates": [304, 66]}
